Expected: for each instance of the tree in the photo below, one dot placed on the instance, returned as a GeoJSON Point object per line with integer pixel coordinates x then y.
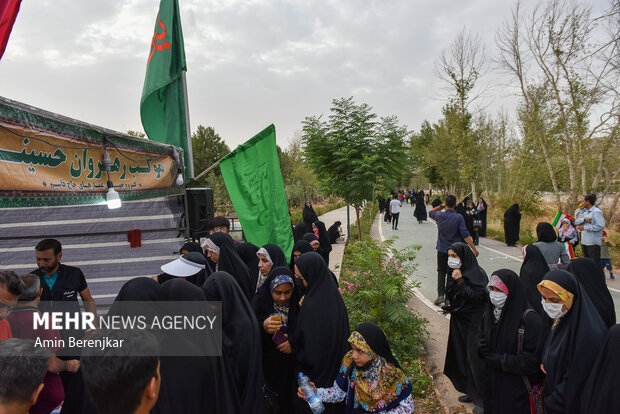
{"type": "Point", "coordinates": [461, 66]}
{"type": "Point", "coordinates": [351, 153]}
{"type": "Point", "coordinates": [300, 182]}
{"type": "Point", "coordinates": [564, 76]}
{"type": "Point", "coordinates": [208, 148]}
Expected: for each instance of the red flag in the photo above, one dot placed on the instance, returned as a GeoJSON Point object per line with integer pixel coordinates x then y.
{"type": "Point", "coordinates": [8, 13]}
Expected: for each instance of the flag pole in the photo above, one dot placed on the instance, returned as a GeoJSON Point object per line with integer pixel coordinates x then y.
{"type": "Point", "coordinates": [190, 156]}
{"type": "Point", "coordinates": [205, 172]}
{"type": "Point", "coordinates": [187, 127]}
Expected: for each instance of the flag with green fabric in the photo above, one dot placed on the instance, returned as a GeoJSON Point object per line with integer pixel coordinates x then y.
{"type": "Point", "coordinates": [254, 182]}
{"type": "Point", "coordinates": [162, 106]}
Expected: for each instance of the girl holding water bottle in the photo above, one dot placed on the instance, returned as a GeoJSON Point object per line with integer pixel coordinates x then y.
{"type": "Point", "coordinates": [370, 379]}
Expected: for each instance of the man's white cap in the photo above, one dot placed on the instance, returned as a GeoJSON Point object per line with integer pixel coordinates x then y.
{"type": "Point", "coordinates": [187, 265]}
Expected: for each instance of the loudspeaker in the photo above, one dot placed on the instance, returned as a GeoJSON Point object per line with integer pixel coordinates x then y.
{"type": "Point", "coordinates": [200, 211]}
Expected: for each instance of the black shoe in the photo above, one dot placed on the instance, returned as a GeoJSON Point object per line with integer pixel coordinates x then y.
{"type": "Point", "coordinates": [439, 300]}
{"type": "Point", "coordinates": [464, 398]}
{"type": "Point", "coordinates": [478, 410]}
{"type": "Point", "coordinates": [446, 308]}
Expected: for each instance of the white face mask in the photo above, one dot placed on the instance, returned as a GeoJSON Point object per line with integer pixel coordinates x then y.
{"type": "Point", "coordinates": [554, 310]}
{"type": "Point", "coordinates": [454, 262]}
{"type": "Point", "coordinates": [498, 299]}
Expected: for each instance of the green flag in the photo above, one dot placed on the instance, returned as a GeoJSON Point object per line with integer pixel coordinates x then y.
{"type": "Point", "coordinates": [254, 182]}
{"type": "Point", "coordinates": [162, 106]}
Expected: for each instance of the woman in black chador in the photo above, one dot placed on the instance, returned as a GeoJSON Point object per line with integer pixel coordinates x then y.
{"type": "Point", "coordinates": [319, 337]}
{"type": "Point", "coordinates": [505, 391]}
{"type": "Point", "coordinates": [482, 213]}
{"type": "Point", "coordinates": [533, 269]}
{"type": "Point", "coordinates": [278, 297]}
{"type": "Point", "coordinates": [575, 341]}
{"type": "Point", "coordinates": [241, 342]}
{"type": "Point", "coordinates": [221, 250]}
{"type": "Point", "coordinates": [420, 207]}
{"type": "Point", "coordinates": [591, 277]}
{"type": "Point", "coordinates": [466, 290]}
{"type": "Point", "coordinates": [309, 215]}
{"type": "Point", "coordinates": [600, 394]}
{"type": "Point", "coordinates": [512, 224]}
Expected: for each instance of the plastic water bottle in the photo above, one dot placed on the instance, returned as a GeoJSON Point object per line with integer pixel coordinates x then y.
{"type": "Point", "coordinates": [315, 403]}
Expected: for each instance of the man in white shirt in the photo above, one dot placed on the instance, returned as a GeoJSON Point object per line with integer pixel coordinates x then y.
{"type": "Point", "coordinates": [395, 206]}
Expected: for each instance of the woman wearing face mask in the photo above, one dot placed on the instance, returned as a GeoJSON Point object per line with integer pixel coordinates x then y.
{"type": "Point", "coordinates": [505, 391]}
{"type": "Point", "coordinates": [277, 306]}
{"type": "Point", "coordinates": [575, 341]}
{"type": "Point", "coordinates": [370, 378]}
{"type": "Point", "coordinates": [466, 290]}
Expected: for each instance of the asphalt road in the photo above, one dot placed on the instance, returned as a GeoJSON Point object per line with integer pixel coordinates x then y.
{"type": "Point", "coordinates": [494, 255]}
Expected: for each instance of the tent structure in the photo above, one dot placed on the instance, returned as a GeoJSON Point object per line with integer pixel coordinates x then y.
{"type": "Point", "coordinates": [53, 184]}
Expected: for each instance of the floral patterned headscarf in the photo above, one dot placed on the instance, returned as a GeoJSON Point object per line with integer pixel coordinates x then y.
{"type": "Point", "coordinates": [377, 386]}
{"type": "Point", "coordinates": [281, 309]}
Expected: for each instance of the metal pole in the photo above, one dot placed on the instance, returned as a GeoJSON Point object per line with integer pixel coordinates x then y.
{"type": "Point", "coordinates": [202, 174]}
{"type": "Point", "coordinates": [190, 156]}
{"type": "Point", "coordinates": [186, 208]}
{"type": "Point", "coordinates": [348, 223]}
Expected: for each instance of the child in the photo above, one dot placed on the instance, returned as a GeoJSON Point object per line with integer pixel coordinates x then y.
{"type": "Point", "coordinates": [606, 255]}
{"type": "Point", "coordinates": [370, 378]}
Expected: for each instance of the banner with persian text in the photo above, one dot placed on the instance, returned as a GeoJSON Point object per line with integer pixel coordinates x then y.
{"type": "Point", "coordinates": [59, 163]}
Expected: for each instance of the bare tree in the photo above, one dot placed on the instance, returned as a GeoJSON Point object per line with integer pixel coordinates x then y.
{"type": "Point", "coordinates": [553, 48]}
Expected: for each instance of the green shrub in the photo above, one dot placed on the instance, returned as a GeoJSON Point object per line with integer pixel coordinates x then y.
{"type": "Point", "coordinates": [375, 286]}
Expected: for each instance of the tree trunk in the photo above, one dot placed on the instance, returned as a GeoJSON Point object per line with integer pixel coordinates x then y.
{"type": "Point", "coordinates": [612, 210]}
{"type": "Point", "coordinates": [359, 224]}
{"type": "Point", "coordinates": [473, 193]}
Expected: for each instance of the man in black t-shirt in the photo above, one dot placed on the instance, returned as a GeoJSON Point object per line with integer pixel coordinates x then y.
{"type": "Point", "coordinates": [60, 282]}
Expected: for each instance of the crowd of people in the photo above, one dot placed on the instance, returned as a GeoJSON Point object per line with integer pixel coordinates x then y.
{"type": "Point", "coordinates": [527, 343]}
{"type": "Point", "coordinates": [540, 340]}
{"type": "Point", "coordinates": [279, 319]}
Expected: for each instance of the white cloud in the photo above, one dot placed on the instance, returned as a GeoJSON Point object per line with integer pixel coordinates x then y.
{"type": "Point", "coordinates": [250, 62]}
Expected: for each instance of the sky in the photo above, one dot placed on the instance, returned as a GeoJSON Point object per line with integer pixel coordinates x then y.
{"type": "Point", "coordinates": [250, 62]}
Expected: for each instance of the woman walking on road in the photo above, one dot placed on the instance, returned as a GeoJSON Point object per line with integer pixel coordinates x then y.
{"type": "Point", "coordinates": [420, 207]}
{"type": "Point", "coordinates": [466, 290]}
{"type": "Point", "coordinates": [512, 225]}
